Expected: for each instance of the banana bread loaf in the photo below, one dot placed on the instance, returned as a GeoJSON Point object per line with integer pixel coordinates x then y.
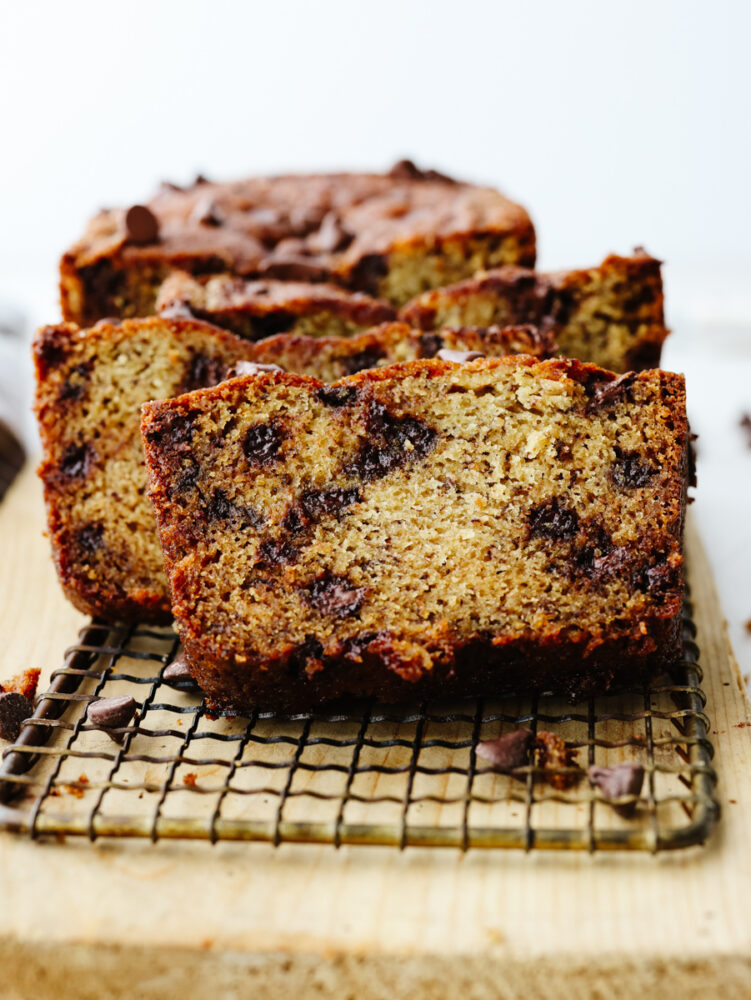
{"type": "Point", "coordinates": [611, 315]}
{"type": "Point", "coordinates": [425, 529]}
{"type": "Point", "coordinates": [390, 235]}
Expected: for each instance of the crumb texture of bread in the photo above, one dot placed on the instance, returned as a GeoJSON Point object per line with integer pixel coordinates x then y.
{"type": "Point", "coordinates": [90, 387]}
{"type": "Point", "coordinates": [426, 529]}
{"type": "Point", "coordinates": [610, 315]}
{"type": "Point", "coordinates": [390, 235]}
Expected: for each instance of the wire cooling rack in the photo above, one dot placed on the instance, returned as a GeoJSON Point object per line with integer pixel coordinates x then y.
{"type": "Point", "coordinates": [364, 774]}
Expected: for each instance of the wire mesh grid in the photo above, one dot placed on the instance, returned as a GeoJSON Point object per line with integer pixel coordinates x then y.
{"type": "Point", "coordinates": [361, 774]}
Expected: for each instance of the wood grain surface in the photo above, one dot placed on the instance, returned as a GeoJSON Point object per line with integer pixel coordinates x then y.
{"type": "Point", "coordinates": [132, 919]}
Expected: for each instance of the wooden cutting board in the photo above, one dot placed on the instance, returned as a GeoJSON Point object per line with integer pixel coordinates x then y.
{"type": "Point", "coordinates": [132, 919]}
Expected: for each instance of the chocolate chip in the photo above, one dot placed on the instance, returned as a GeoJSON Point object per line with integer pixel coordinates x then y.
{"type": "Point", "coordinates": [430, 345]}
{"type": "Point", "coordinates": [90, 538]}
{"type": "Point", "coordinates": [659, 579]}
{"type": "Point", "coordinates": [629, 471]}
{"type": "Point", "coordinates": [221, 508]}
{"type": "Point", "coordinates": [263, 441]}
{"type": "Point", "coordinates": [459, 357]}
{"type": "Point", "coordinates": [200, 179]}
{"type": "Point", "coordinates": [367, 273]}
{"type": "Point", "coordinates": [252, 368]}
{"type": "Point", "coordinates": [362, 361]}
{"type": "Point", "coordinates": [315, 503]}
{"type": "Point", "coordinates": [76, 461]}
{"type": "Point", "coordinates": [14, 710]}
{"type": "Point", "coordinates": [393, 441]}
{"type": "Point", "coordinates": [141, 225]}
{"type": "Point", "coordinates": [406, 170]}
{"type": "Point", "coordinates": [604, 393]}
{"type": "Point", "coordinates": [618, 781]}
{"type": "Point", "coordinates": [337, 395]}
{"type": "Point", "coordinates": [177, 311]}
{"type": "Point", "coordinates": [294, 521]}
{"type": "Point", "coordinates": [111, 713]}
{"type": "Point", "coordinates": [553, 756]}
{"type": "Point", "coordinates": [277, 552]}
{"type": "Point", "coordinates": [207, 213]}
{"type": "Point", "coordinates": [76, 385]}
{"type": "Point", "coordinates": [331, 237]}
{"type": "Point", "coordinates": [177, 673]}
{"type": "Point", "coordinates": [553, 519]}
{"type": "Point", "coordinates": [174, 429]}
{"type": "Point", "coordinates": [204, 371]}
{"type": "Point", "coordinates": [507, 752]}
{"type": "Point", "coordinates": [335, 596]}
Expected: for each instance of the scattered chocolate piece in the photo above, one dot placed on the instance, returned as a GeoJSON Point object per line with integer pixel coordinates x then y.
{"type": "Point", "coordinates": [507, 752]}
{"type": "Point", "coordinates": [111, 713]}
{"type": "Point", "coordinates": [552, 755]}
{"type": "Point", "coordinates": [630, 471]}
{"type": "Point", "coordinates": [745, 423]}
{"type": "Point", "coordinates": [141, 225]}
{"type": "Point", "coordinates": [459, 357]}
{"type": "Point", "coordinates": [251, 368]}
{"type": "Point", "coordinates": [14, 710]}
{"type": "Point", "coordinates": [24, 684]}
{"type": "Point", "coordinates": [618, 781]}
{"type": "Point", "coordinates": [748, 626]}
{"type": "Point", "coordinates": [178, 672]}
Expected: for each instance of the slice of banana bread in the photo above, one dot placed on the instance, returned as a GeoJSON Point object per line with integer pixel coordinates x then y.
{"type": "Point", "coordinates": [426, 529]}
{"type": "Point", "coordinates": [390, 235]}
{"type": "Point", "coordinates": [256, 309]}
{"type": "Point", "coordinates": [611, 315]}
{"type": "Point", "coordinates": [90, 386]}
{"type": "Point", "coordinates": [331, 358]}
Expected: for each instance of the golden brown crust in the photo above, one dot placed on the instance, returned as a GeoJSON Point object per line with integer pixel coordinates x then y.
{"type": "Point", "coordinates": [349, 228]}
{"type": "Point", "coordinates": [611, 314]}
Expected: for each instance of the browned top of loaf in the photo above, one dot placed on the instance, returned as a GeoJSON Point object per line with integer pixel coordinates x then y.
{"type": "Point", "coordinates": [539, 296]}
{"type": "Point", "coordinates": [322, 223]}
{"type": "Point", "coordinates": [219, 294]}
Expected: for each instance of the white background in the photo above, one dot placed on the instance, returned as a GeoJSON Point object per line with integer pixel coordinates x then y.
{"type": "Point", "coordinates": [616, 123]}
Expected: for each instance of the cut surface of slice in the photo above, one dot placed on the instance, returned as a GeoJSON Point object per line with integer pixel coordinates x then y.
{"type": "Point", "coordinates": [426, 529]}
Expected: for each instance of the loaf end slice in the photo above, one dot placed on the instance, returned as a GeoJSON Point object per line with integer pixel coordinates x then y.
{"type": "Point", "coordinates": [90, 386]}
